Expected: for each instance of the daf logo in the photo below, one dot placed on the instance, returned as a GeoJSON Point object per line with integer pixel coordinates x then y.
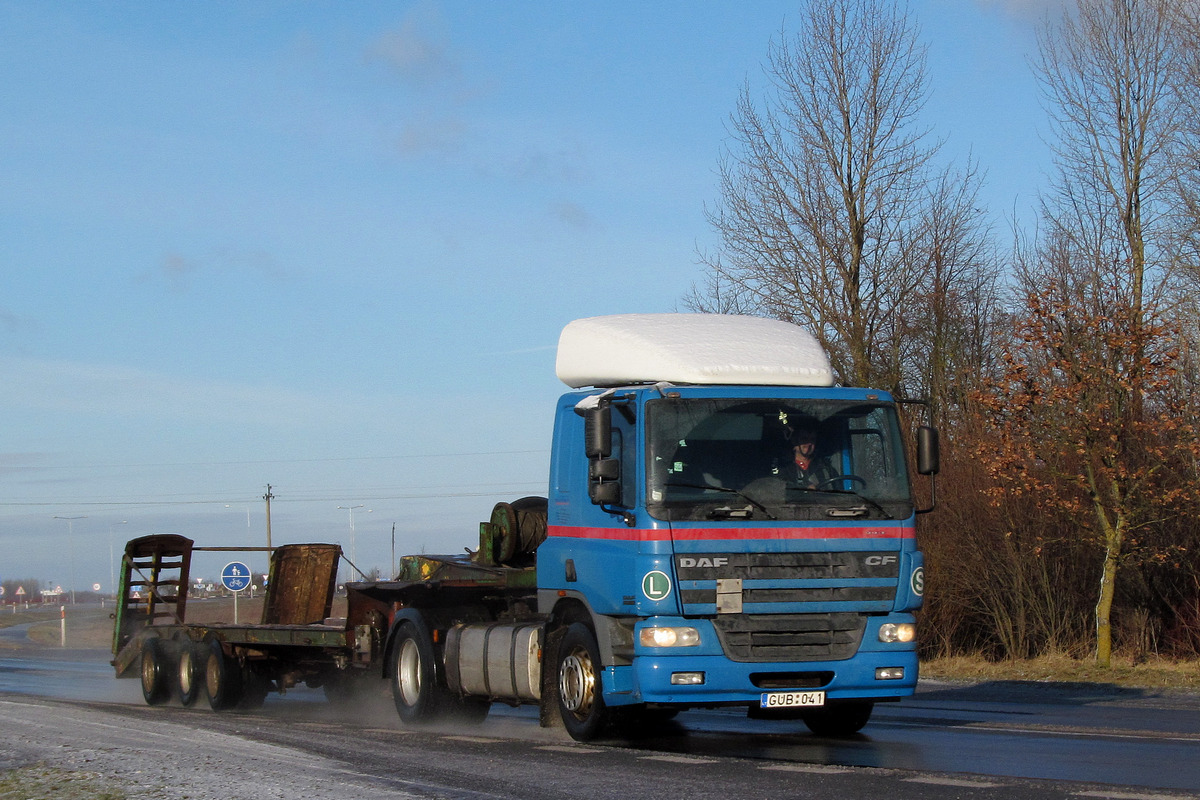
{"type": "Point", "coordinates": [704, 561]}
{"type": "Point", "coordinates": [879, 561]}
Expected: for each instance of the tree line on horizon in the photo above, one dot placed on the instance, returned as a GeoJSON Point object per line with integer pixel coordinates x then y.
{"type": "Point", "coordinates": [1061, 367]}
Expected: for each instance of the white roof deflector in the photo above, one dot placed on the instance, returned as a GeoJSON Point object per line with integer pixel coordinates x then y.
{"type": "Point", "coordinates": [689, 348]}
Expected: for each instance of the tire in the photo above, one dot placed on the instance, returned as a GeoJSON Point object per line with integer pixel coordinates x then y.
{"type": "Point", "coordinates": [349, 687]}
{"type": "Point", "coordinates": [156, 684]}
{"type": "Point", "coordinates": [469, 710]}
{"type": "Point", "coordinates": [639, 722]}
{"type": "Point", "coordinates": [189, 677]}
{"type": "Point", "coordinates": [255, 689]}
{"type": "Point", "coordinates": [222, 678]}
{"type": "Point", "coordinates": [415, 692]}
{"type": "Point", "coordinates": [340, 689]}
{"type": "Point", "coordinates": [580, 689]}
{"type": "Point", "coordinates": [839, 719]}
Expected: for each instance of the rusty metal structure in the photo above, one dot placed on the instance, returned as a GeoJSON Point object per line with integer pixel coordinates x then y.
{"type": "Point", "coordinates": [298, 641]}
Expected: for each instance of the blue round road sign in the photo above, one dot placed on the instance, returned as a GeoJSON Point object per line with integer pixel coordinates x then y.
{"type": "Point", "coordinates": [236, 576]}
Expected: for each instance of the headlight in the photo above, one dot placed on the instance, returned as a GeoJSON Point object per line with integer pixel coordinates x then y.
{"type": "Point", "coordinates": [903, 632]}
{"type": "Point", "coordinates": [669, 637]}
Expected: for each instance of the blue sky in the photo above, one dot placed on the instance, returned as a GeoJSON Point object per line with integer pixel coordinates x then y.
{"type": "Point", "coordinates": [329, 246]}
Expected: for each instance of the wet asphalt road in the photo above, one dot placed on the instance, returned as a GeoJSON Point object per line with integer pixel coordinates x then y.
{"type": "Point", "coordinates": [1000, 740]}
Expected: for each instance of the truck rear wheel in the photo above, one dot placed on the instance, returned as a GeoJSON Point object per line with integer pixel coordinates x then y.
{"type": "Point", "coordinates": [418, 696]}
{"type": "Point", "coordinates": [156, 685]}
{"type": "Point", "coordinates": [190, 675]}
{"type": "Point", "coordinates": [580, 692]}
{"type": "Point", "coordinates": [222, 678]}
{"type": "Point", "coordinates": [414, 683]}
{"type": "Point", "coordinates": [839, 719]}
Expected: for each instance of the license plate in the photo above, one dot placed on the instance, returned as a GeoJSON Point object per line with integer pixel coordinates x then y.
{"type": "Point", "coordinates": [791, 699]}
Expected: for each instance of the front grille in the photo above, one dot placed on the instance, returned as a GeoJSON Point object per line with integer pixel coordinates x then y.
{"type": "Point", "coordinates": [790, 637]}
{"type": "Point", "coordinates": [858, 581]}
{"type": "Point", "coordinates": [841, 594]}
{"type": "Point", "coordinates": [778, 566]}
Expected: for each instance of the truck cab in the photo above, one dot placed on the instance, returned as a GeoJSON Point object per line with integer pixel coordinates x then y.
{"type": "Point", "coordinates": [699, 554]}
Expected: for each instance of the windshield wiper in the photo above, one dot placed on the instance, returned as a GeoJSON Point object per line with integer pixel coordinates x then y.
{"type": "Point", "coordinates": [727, 512]}
{"type": "Point", "coordinates": [855, 511]}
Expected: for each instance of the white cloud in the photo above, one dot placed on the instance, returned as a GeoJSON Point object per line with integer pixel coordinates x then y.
{"type": "Point", "coordinates": [416, 50]}
{"type": "Point", "coordinates": [107, 390]}
{"type": "Point", "coordinates": [180, 271]}
{"type": "Point", "coordinates": [1032, 10]}
{"type": "Point", "coordinates": [572, 214]}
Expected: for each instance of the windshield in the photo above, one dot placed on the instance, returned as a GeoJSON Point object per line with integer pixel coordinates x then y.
{"type": "Point", "coordinates": [774, 459]}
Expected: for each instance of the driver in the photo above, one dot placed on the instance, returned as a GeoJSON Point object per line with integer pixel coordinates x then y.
{"type": "Point", "coordinates": [806, 470]}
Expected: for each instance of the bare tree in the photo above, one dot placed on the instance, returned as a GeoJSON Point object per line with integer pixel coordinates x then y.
{"type": "Point", "coordinates": [951, 328]}
{"type": "Point", "coordinates": [1187, 25]}
{"type": "Point", "coordinates": [1099, 333]}
{"type": "Point", "coordinates": [824, 188]}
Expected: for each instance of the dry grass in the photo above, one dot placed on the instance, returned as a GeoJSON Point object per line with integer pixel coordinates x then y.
{"type": "Point", "coordinates": [1149, 674]}
{"type": "Point", "coordinates": [41, 782]}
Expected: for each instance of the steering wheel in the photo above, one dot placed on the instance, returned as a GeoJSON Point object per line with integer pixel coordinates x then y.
{"type": "Point", "coordinates": [831, 482]}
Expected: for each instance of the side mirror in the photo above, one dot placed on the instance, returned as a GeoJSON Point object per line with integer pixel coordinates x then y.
{"type": "Point", "coordinates": [604, 484]}
{"type": "Point", "coordinates": [928, 457]}
{"type": "Point", "coordinates": [597, 431]}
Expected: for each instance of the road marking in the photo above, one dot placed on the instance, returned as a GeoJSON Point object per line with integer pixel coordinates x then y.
{"type": "Point", "coordinates": [471, 739]}
{"type": "Point", "coordinates": [566, 748]}
{"type": "Point", "coordinates": [680, 759]}
{"type": "Point", "coordinates": [824, 769]}
{"type": "Point", "coordinates": [1052, 730]}
{"type": "Point", "coordinates": [1130, 796]}
{"type": "Point", "coordinates": [957, 782]}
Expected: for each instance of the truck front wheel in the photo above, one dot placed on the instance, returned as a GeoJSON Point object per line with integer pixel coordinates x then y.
{"type": "Point", "coordinates": [580, 692]}
{"type": "Point", "coordinates": [844, 718]}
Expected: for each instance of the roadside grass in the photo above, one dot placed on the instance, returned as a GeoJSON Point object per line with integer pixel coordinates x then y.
{"type": "Point", "coordinates": [40, 782]}
{"type": "Point", "coordinates": [87, 626]}
{"type": "Point", "coordinates": [1149, 673]}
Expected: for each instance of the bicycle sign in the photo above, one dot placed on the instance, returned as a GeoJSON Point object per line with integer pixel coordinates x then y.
{"type": "Point", "coordinates": [236, 576]}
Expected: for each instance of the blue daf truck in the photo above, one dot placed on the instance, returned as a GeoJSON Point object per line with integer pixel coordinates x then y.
{"type": "Point", "coordinates": [723, 527]}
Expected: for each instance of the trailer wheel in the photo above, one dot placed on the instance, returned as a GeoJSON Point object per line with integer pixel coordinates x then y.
{"type": "Point", "coordinates": [255, 689]}
{"type": "Point", "coordinates": [839, 719]}
{"type": "Point", "coordinates": [222, 678]}
{"type": "Point", "coordinates": [466, 710]}
{"type": "Point", "coordinates": [580, 692]}
{"type": "Point", "coordinates": [414, 683]}
{"type": "Point", "coordinates": [190, 675]}
{"type": "Point", "coordinates": [156, 686]}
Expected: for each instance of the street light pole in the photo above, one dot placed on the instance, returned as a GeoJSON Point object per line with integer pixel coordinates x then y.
{"type": "Point", "coordinates": [71, 549]}
{"type": "Point", "coordinates": [353, 553]}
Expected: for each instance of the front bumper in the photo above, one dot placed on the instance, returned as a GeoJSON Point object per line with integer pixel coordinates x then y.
{"type": "Point", "coordinates": [724, 681]}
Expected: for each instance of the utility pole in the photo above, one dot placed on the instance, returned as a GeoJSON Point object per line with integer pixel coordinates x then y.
{"type": "Point", "coordinates": [268, 497]}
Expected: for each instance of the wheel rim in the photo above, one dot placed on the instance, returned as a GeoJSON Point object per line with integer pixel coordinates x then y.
{"type": "Point", "coordinates": [408, 672]}
{"type": "Point", "coordinates": [577, 682]}
{"type": "Point", "coordinates": [185, 671]}
{"type": "Point", "coordinates": [149, 672]}
{"type": "Point", "coordinates": [212, 675]}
